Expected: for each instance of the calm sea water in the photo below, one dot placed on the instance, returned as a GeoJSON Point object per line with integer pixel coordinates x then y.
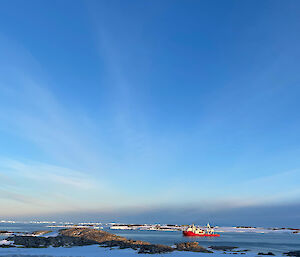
{"type": "Point", "coordinates": [256, 242]}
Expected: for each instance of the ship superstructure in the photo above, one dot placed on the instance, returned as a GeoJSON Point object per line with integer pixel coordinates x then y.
{"type": "Point", "coordinates": [193, 230]}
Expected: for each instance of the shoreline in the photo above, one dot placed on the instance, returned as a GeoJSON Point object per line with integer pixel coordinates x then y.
{"type": "Point", "coordinates": [96, 251]}
{"type": "Point", "coordinates": [75, 237]}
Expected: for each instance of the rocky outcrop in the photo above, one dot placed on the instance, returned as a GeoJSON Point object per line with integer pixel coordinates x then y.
{"type": "Point", "coordinates": [85, 236]}
{"type": "Point", "coordinates": [222, 248]}
{"type": "Point", "coordinates": [192, 247]}
{"type": "Point", "coordinates": [152, 249]}
{"type": "Point", "coordinates": [98, 236]}
{"type": "Point", "coordinates": [5, 232]}
{"type": "Point", "coordinates": [106, 239]}
{"type": "Point", "coordinates": [41, 232]}
{"type": "Point", "coordinates": [268, 253]}
{"type": "Point", "coordinates": [293, 253]}
{"type": "Point", "coordinates": [38, 242]}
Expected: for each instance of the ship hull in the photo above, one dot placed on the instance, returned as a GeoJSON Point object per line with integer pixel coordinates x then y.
{"type": "Point", "coordinates": [190, 233]}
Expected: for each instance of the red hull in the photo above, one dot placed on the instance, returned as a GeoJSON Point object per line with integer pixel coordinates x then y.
{"type": "Point", "coordinates": [190, 233]}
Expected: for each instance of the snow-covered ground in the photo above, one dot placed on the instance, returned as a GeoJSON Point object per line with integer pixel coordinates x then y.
{"type": "Point", "coordinates": [96, 251]}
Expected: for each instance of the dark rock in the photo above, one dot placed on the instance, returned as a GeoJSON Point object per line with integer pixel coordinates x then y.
{"type": "Point", "coordinates": [293, 253]}
{"type": "Point", "coordinates": [143, 248]}
{"type": "Point", "coordinates": [191, 246]}
{"type": "Point", "coordinates": [155, 249]}
{"type": "Point", "coordinates": [222, 248]}
{"type": "Point", "coordinates": [6, 246]}
{"type": "Point", "coordinates": [5, 232]}
{"type": "Point", "coordinates": [40, 242]}
{"type": "Point", "coordinates": [269, 253]}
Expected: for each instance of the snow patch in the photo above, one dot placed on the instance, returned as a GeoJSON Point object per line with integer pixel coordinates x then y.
{"type": "Point", "coordinates": [6, 242]}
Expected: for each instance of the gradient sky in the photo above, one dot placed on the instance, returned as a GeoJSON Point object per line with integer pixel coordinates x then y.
{"type": "Point", "coordinates": [134, 106]}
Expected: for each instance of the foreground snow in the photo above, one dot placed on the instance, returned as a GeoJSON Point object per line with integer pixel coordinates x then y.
{"type": "Point", "coordinates": [95, 250]}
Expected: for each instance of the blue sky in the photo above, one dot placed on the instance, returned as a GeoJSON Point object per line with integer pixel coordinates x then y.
{"type": "Point", "coordinates": [135, 106]}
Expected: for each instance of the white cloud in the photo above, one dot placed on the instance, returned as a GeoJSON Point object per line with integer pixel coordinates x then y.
{"type": "Point", "coordinates": [48, 173]}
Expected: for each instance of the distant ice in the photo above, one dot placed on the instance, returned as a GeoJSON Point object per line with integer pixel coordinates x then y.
{"type": "Point", "coordinates": [254, 230]}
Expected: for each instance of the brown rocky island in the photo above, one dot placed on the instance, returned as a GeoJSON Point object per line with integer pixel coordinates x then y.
{"type": "Point", "coordinates": [87, 236]}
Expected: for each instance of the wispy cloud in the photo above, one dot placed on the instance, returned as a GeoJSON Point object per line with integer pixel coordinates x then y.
{"type": "Point", "coordinates": [31, 114]}
{"type": "Point", "coordinates": [48, 173]}
{"type": "Point", "coordinates": [42, 188]}
{"type": "Point", "coordinates": [19, 197]}
{"type": "Point", "coordinates": [31, 111]}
